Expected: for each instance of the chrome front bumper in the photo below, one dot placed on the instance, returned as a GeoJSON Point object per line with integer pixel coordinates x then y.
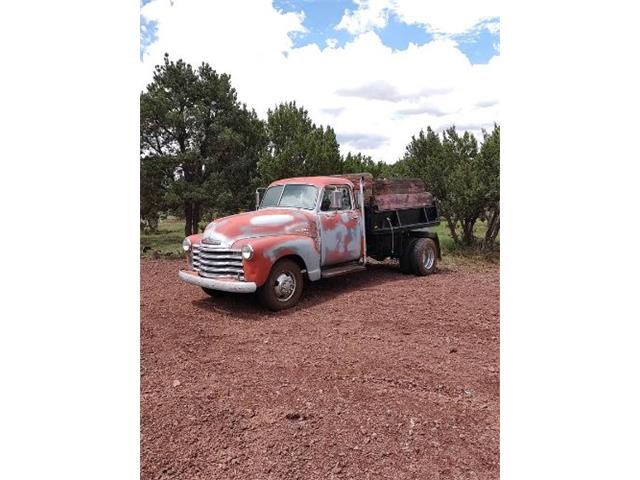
{"type": "Point", "coordinates": [217, 284]}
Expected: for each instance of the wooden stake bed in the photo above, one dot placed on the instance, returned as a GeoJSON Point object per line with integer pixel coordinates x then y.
{"type": "Point", "coordinates": [387, 194]}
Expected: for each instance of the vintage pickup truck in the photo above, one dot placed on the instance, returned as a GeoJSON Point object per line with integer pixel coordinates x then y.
{"type": "Point", "coordinates": [313, 228]}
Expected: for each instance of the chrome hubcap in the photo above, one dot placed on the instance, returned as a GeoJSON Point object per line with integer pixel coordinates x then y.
{"type": "Point", "coordinates": [428, 257]}
{"type": "Point", "coordinates": [285, 286]}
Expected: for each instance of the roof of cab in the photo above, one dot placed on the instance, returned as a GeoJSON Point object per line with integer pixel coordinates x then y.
{"type": "Point", "coordinates": [315, 181]}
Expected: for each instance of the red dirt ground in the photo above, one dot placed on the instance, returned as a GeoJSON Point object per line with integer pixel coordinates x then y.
{"type": "Point", "coordinates": [374, 375]}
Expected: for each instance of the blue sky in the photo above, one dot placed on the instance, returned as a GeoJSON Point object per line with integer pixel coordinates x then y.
{"type": "Point", "coordinates": [377, 71]}
{"type": "Point", "coordinates": [321, 18]}
{"type": "Point", "coordinates": [148, 30]}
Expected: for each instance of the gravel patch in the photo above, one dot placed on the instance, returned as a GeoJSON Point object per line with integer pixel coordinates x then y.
{"type": "Point", "coordinates": [373, 375]}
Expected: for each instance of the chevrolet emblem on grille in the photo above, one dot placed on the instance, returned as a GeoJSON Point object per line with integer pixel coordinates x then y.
{"type": "Point", "coordinates": [211, 241]}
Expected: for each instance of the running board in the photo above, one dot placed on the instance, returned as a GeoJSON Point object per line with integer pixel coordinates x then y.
{"type": "Point", "coordinates": [341, 270]}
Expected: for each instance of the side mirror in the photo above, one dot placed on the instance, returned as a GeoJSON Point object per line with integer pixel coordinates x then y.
{"type": "Point", "coordinates": [259, 192]}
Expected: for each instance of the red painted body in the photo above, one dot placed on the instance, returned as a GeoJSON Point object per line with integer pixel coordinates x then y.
{"type": "Point", "coordinates": [341, 236]}
{"type": "Point", "coordinates": [312, 237]}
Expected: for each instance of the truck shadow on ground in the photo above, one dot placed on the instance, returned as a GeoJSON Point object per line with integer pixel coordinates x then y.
{"type": "Point", "coordinates": [248, 307]}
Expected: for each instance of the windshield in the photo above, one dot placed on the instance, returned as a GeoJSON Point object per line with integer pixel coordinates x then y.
{"type": "Point", "coordinates": [296, 196]}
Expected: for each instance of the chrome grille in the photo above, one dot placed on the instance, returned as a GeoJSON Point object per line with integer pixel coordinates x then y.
{"type": "Point", "coordinates": [209, 261]}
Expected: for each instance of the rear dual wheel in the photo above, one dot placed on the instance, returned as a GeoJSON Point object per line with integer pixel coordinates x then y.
{"type": "Point", "coordinates": [419, 257]}
{"type": "Point", "coordinates": [405, 263]}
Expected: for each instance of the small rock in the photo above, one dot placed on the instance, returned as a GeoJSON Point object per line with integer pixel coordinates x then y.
{"type": "Point", "coordinates": [291, 415]}
{"type": "Point", "coordinates": [176, 383]}
{"type": "Point", "coordinates": [453, 350]}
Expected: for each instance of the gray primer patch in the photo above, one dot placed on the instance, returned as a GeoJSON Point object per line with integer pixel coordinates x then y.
{"type": "Point", "coordinates": [304, 247]}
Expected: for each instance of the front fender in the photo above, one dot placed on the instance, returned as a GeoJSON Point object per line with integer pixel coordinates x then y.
{"type": "Point", "coordinates": [268, 250]}
{"type": "Point", "coordinates": [195, 238]}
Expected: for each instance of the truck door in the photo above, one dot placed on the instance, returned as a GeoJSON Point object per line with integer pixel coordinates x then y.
{"type": "Point", "coordinates": [340, 226]}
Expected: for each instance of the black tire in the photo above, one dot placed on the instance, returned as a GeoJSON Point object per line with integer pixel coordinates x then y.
{"type": "Point", "coordinates": [210, 291]}
{"type": "Point", "coordinates": [275, 294]}
{"type": "Point", "coordinates": [405, 264]}
{"type": "Point", "coordinates": [423, 257]}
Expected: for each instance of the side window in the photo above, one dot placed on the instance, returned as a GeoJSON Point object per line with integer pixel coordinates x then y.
{"type": "Point", "coordinates": [336, 198]}
{"type": "Point", "coordinates": [346, 198]}
{"type": "Point", "coordinates": [325, 206]}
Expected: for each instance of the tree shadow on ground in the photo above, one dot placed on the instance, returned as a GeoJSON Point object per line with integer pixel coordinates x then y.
{"type": "Point", "coordinates": [248, 307]}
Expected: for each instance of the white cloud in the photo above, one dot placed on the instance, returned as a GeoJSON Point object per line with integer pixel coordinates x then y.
{"type": "Point", "coordinates": [493, 26]}
{"type": "Point", "coordinates": [374, 97]}
{"type": "Point", "coordinates": [444, 18]}
{"type": "Point", "coordinates": [449, 18]}
{"type": "Point", "coordinates": [370, 14]}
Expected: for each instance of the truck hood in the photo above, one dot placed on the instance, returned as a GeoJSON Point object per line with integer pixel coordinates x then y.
{"type": "Point", "coordinates": [260, 223]}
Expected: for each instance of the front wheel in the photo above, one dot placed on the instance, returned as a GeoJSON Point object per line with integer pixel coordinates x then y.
{"type": "Point", "coordinates": [423, 257]}
{"type": "Point", "coordinates": [283, 287]}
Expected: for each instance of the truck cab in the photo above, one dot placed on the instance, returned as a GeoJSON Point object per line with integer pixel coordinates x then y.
{"type": "Point", "coordinates": [307, 228]}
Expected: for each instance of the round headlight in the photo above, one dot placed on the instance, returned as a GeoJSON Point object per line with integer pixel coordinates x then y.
{"type": "Point", "coordinates": [247, 252]}
{"type": "Point", "coordinates": [186, 244]}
